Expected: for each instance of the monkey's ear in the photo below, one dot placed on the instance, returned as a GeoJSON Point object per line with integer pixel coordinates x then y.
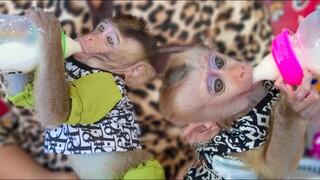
{"type": "Point", "coordinates": [200, 132]}
{"type": "Point", "coordinates": [164, 53]}
{"type": "Point", "coordinates": [139, 74]}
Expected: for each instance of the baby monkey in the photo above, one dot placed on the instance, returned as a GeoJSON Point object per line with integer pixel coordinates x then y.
{"type": "Point", "coordinates": [239, 129]}
{"type": "Point", "coordinates": [88, 116]}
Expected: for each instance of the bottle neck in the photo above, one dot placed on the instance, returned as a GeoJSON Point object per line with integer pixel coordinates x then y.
{"type": "Point", "coordinates": [69, 46]}
{"type": "Point", "coordinates": [286, 60]}
{"type": "Point", "coordinates": [63, 42]}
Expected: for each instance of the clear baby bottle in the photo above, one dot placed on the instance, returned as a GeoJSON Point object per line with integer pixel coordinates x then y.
{"type": "Point", "coordinates": [291, 52]}
{"type": "Point", "coordinates": [20, 48]}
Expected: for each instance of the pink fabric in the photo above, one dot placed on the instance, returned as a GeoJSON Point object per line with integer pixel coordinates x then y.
{"type": "Point", "coordinates": [284, 14]}
{"type": "Point", "coordinates": [3, 108]}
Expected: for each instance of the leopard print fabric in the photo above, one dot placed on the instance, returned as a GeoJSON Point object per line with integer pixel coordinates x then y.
{"type": "Point", "coordinates": [73, 15]}
{"type": "Point", "coordinates": [239, 29]}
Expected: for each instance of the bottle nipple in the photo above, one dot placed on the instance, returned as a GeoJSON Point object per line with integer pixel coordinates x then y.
{"type": "Point", "coordinates": [69, 46]}
{"type": "Point", "coordinates": [72, 47]}
{"type": "Point", "coordinates": [266, 70]}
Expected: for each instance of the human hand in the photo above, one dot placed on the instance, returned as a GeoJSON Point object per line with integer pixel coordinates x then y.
{"type": "Point", "coordinates": [302, 100]}
{"type": "Point", "coordinates": [48, 25]}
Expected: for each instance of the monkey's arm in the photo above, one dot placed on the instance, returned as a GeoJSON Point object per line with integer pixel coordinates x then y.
{"type": "Point", "coordinates": [279, 156]}
{"type": "Point", "coordinates": [52, 101]}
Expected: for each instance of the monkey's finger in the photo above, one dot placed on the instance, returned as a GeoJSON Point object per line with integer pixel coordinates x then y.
{"type": "Point", "coordinates": [304, 89]}
{"type": "Point", "coordinates": [312, 99]}
{"type": "Point", "coordinates": [29, 12]}
{"type": "Point", "coordinates": [41, 13]}
{"type": "Point", "coordinates": [279, 83]}
{"type": "Point", "coordinates": [289, 88]}
{"type": "Point", "coordinates": [310, 111]}
{"type": "Point", "coordinates": [307, 77]}
{"type": "Point", "coordinates": [50, 12]}
{"type": "Point", "coordinates": [279, 80]}
{"type": "Point", "coordinates": [30, 9]}
{"type": "Point", "coordinates": [282, 86]}
{"type": "Point", "coordinates": [313, 96]}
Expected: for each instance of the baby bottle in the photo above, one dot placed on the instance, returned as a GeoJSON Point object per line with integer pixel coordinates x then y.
{"type": "Point", "coordinates": [291, 52]}
{"type": "Point", "coordinates": [20, 48]}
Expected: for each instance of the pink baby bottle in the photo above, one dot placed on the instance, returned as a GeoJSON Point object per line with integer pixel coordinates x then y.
{"type": "Point", "coordinates": [291, 52]}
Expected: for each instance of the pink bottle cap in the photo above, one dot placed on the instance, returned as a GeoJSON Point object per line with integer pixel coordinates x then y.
{"type": "Point", "coordinates": [286, 60]}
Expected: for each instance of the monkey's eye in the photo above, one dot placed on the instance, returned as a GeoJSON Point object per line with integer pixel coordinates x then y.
{"type": "Point", "coordinates": [112, 39]}
{"type": "Point", "coordinates": [216, 62]}
{"type": "Point", "coordinates": [101, 28]}
{"type": "Point", "coordinates": [215, 85]}
{"type": "Point", "coordinates": [218, 85]}
{"type": "Point", "coordinates": [109, 39]}
{"type": "Point", "coordinates": [219, 62]}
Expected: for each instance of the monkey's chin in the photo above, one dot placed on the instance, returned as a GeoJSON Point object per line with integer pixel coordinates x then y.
{"type": "Point", "coordinates": [255, 86]}
{"type": "Point", "coordinates": [81, 57]}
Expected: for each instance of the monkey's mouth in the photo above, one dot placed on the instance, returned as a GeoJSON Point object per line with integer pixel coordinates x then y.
{"type": "Point", "coordinates": [246, 74]}
{"type": "Point", "coordinates": [84, 50]}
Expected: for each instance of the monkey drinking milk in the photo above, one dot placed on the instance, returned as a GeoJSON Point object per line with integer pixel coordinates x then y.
{"type": "Point", "coordinates": [239, 129]}
{"type": "Point", "coordinates": [87, 113]}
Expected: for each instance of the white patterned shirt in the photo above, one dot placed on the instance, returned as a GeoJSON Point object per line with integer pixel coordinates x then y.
{"type": "Point", "coordinates": [116, 131]}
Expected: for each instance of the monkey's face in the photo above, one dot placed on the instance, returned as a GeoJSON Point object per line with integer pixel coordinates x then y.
{"type": "Point", "coordinates": [217, 89]}
{"type": "Point", "coordinates": [107, 49]}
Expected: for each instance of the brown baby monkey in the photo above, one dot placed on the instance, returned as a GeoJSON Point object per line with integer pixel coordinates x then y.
{"type": "Point", "coordinates": [87, 114]}
{"type": "Point", "coordinates": [239, 129]}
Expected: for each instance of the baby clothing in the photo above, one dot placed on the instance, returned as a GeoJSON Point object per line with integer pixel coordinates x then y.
{"type": "Point", "coordinates": [248, 132]}
{"type": "Point", "coordinates": [102, 119]}
{"type": "Point", "coordinates": [115, 129]}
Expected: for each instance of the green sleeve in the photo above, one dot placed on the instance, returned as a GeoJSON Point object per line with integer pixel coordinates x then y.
{"type": "Point", "coordinates": [92, 97]}
{"type": "Point", "coordinates": [148, 170]}
{"type": "Point", "coordinates": [25, 98]}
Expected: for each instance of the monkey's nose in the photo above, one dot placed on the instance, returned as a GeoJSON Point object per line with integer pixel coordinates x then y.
{"type": "Point", "coordinates": [90, 38]}
{"type": "Point", "coordinates": [242, 73]}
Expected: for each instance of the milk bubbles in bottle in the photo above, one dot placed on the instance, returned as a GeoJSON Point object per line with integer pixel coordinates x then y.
{"type": "Point", "coordinates": [20, 45]}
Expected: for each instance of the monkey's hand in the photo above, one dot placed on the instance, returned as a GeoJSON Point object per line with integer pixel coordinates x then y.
{"type": "Point", "coordinates": [48, 26]}
{"type": "Point", "coordinates": [303, 100]}
{"type": "Point", "coordinates": [52, 100]}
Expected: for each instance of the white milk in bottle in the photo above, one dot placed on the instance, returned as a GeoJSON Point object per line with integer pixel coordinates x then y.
{"type": "Point", "coordinates": [20, 48]}
{"type": "Point", "coordinates": [293, 52]}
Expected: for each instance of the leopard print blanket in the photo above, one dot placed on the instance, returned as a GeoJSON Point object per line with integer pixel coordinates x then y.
{"type": "Point", "coordinates": [239, 29]}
